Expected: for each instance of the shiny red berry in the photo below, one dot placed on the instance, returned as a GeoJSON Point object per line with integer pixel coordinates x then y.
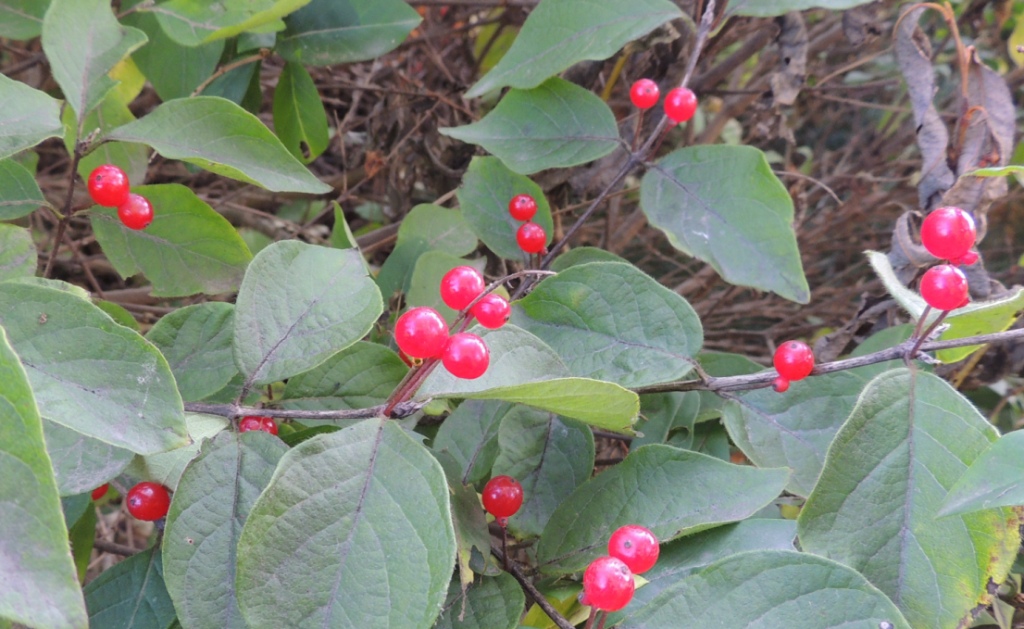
{"type": "Point", "coordinates": [136, 212]}
{"type": "Point", "coordinates": [492, 311]}
{"type": "Point", "coordinates": [522, 207]}
{"type": "Point", "coordinates": [780, 384]}
{"type": "Point", "coordinates": [100, 491]}
{"type": "Point", "coordinates": [680, 104]}
{"type": "Point", "coordinates": [466, 356]}
{"type": "Point", "coordinates": [531, 238]}
{"type": "Point", "coordinates": [967, 259]}
{"type": "Point", "coordinates": [608, 584]}
{"type": "Point", "coordinates": [944, 287]}
{"type": "Point", "coordinates": [460, 286]}
{"type": "Point", "coordinates": [257, 422]}
{"type": "Point", "coordinates": [635, 546]}
{"type": "Point", "coordinates": [421, 333]}
{"type": "Point", "coordinates": [148, 501]}
{"type": "Point", "coordinates": [644, 94]}
{"type": "Point", "coordinates": [108, 186]}
{"type": "Point", "coordinates": [502, 497]}
{"type": "Point", "coordinates": [948, 233]}
{"type": "Point", "coordinates": [794, 360]}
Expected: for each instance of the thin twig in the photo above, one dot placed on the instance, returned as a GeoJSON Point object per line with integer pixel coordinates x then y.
{"type": "Point", "coordinates": [404, 409]}
{"type": "Point", "coordinates": [533, 593]}
{"type": "Point", "coordinates": [116, 549]}
{"type": "Point", "coordinates": [66, 212]}
{"type": "Point", "coordinates": [224, 69]}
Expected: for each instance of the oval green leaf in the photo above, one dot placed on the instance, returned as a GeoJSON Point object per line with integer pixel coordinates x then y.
{"type": "Point", "coordinates": [360, 376]}
{"type": "Point", "coordinates": [197, 343]}
{"type": "Point", "coordinates": [27, 117]}
{"type": "Point", "coordinates": [327, 32]}
{"type": "Point", "coordinates": [195, 22]}
{"type": "Point", "coordinates": [173, 69]}
{"type": "Point", "coordinates": [81, 463]}
{"type": "Point", "coordinates": [18, 255]}
{"type": "Point", "coordinates": [22, 19]}
{"type": "Point", "coordinates": [299, 117]}
{"type": "Point", "coordinates": [470, 436]}
{"type": "Point", "coordinates": [19, 193]}
{"type": "Point", "coordinates": [994, 479]}
{"type": "Point", "coordinates": [131, 595]}
{"type": "Point", "coordinates": [489, 603]}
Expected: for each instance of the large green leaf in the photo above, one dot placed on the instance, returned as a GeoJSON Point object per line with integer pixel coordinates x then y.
{"type": "Point", "coordinates": [667, 417]}
{"type": "Point", "coordinates": [611, 321]}
{"type": "Point", "coordinates": [197, 343]}
{"type": "Point", "coordinates": [22, 19]}
{"type": "Point", "coordinates": [773, 8]}
{"type": "Point", "coordinates": [490, 603]}
{"type": "Point", "coordinates": [327, 32]}
{"type": "Point", "coordinates": [770, 589]}
{"type": "Point", "coordinates": [166, 468]}
{"type": "Point", "coordinates": [210, 506]}
{"type": "Point", "coordinates": [18, 255]}
{"type": "Point", "coordinates": [299, 304]}
{"type": "Point", "coordinates": [672, 492]}
{"type": "Point", "coordinates": [27, 117]}
{"type": "Point", "coordinates": [486, 189]}
{"type": "Point", "coordinates": [218, 135]}
{"type": "Point", "coordinates": [195, 22]}
{"type": "Point", "coordinates": [357, 521]}
{"type": "Point", "coordinates": [91, 374]}
{"type": "Point", "coordinates": [559, 33]}
{"type": "Point", "coordinates": [131, 595]}
{"type": "Point", "coordinates": [360, 376]}
{"type": "Point", "coordinates": [723, 205]}
{"type": "Point", "coordinates": [430, 269]}
{"type": "Point", "coordinates": [83, 41]}
{"type": "Point", "coordinates": [910, 437]}
{"type": "Point", "coordinates": [523, 369]}
{"type": "Point", "coordinates": [994, 479]}
{"type": "Point", "coordinates": [173, 69]}
{"type": "Point", "coordinates": [188, 248]}
{"type": "Point", "coordinates": [81, 463]}
{"type": "Point", "coordinates": [40, 588]}
{"type": "Point", "coordinates": [299, 117]}
{"type": "Point", "coordinates": [110, 113]}
{"type": "Point", "coordinates": [554, 125]}
{"type": "Point", "coordinates": [19, 193]}
{"type": "Point", "coordinates": [472, 538]}
{"type": "Point", "coordinates": [470, 435]}
{"type": "Point", "coordinates": [549, 455]}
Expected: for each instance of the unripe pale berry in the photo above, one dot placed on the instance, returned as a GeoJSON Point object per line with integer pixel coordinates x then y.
{"type": "Point", "coordinates": [944, 287]}
{"type": "Point", "coordinates": [421, 333]}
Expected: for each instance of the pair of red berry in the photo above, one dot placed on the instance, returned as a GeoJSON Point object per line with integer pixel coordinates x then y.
{"type": "Point", "coordinates": [680, 103]}
{"type": "Point", "coordinates": [948, 233]}
{"type": "Point", "coordinates": [530, 236]}
{"type": "Point", "coordinates": [794, 360]}
{"type": "Point", "coordinates": [108, 186]}
{"type": "Point", "coordinates": [608, 581]}
{"type": "Point", "coordinates": [257, 422]}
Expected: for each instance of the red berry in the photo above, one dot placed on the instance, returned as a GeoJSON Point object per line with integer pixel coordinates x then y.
{"type": "Point", "coordinates": [148, 501]}
{"type": "Point", "coordinates": [522, 207]}
{"type": "Point", "coordinates": [492, 311]}
{"type": "Point", "coordinates": [948, 233]}
{"type": "Point", "coordinates": [108, 186]}
{"type": "Point", "coordinates": [466, 356]}
{"type": "Point", "coordinates": [608, 584]}
{"type": "Point", "coordinates": [793, 360]}
{"type": "Point", "coordinates": [644, 94]}
{"type": "Point", "coordinates": [635, 546]}
{"type": "Point", "coordinates": [136, 212]}
{"type": "Point", "coordinates": [421, 333]}
{"type": "Point", "coordinates": [460, 286]}
{"type": "Point", "coordinates": [967, 259]}
{"type": "Point", "coordinates": [100, 491]}
{"type": "Point", "coordinates": [680, 104]}
{"type": "Point", "coordinates": [944, 287]}
{"type": "Point", "coordinates": [257, 422]}
{"type": "Point", "coordinates": [531, 238]}
{"type": "Point", "coordinates": [780, 384]}
{"type": "Point", "coordinates": [502, 497]}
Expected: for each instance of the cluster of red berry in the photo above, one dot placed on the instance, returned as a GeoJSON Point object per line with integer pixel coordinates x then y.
{"type": "Point", "coordinates": [257, 422]}
{"type": "Point", "coordinates": [948, 233]}
{"type": "Point", "coordinates": [421, 333]}
{"type": "Point", "coordinates": [608, 581]}
{"type": "Point", "coordinates": [794, 360]}
{"type": "Point", "coordinates": [680, 103]}
{"type": "Point", "coordinates": [530, 236]}
{"type": "Point", "coordinates": [108, 186]}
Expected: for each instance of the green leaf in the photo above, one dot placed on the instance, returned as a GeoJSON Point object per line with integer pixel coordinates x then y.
{"type": "Point", "coordinates": [550, 456]}
{"type": "Point", "coordinates": [299, 117]}
{"type": "Point", "coordinates": [770, 589]}
{"type": "Point", "coordinates": [997, 171]}
{"type": "Point", "coordinates": [382, 549]}
{"type": "Point", "coordinates": [22, 19]}
{"type": "Point", "coordinates": [81, 536]}
{"type": "Point", "coordinates": [341, 233]}
{"type": "Point", "coordinates": [723, 205]}
{"type": "Point", "coordinates": [611, 321]}
{"type": "Point", "coordinates": [470, 435]}
{"type": "Point", "coordinates": [131, 595]}
{"type": "Point", "coordinates": [468, 521]}
{"type": "Point", "coordinates": [174, 69]}
{"type": "Point", "coordinates": [27, 117]}
{"type": "Point", "coordinates": [490, 603]}
{"type": "Point", "coordinates": [90, 373]}
{"type": "Point", "coordinates": [83, 41]}
{"type": "Point", "coordinates": [195, 22]}
{"type": "Point", "coordinates": [82, 463]}
{"type": "Point", "coordinates": [583, 255]}
{"type": "Point", "coordinates": [359, 376]}
{"type": "Point", "coordinates": [109, 114]}
{"type": "Point", "coordinates": [119, 314]}
{"type": "Point", "coordinates": [166, 468]}
{"type": "Point", "coordinates": [773, 8]}
{"type": "Point", "coordinates": [187, 249]}
{"type": "Point", "coordinates": [299, 304]}
{"type": "Point", "coordinates": [672, 492]}
{"type": "Point", "coordinates": [40, 588]}
{"type": "Point", "coordinates": [197, 343]}
{"type": "Point", "coordinates": [218, 135]}
{"type": "Point", "coordinates": [327, 32]}
{"type": "Point", "coordinates": [210, 506]}
{"type": "Point", "coordinates": [430, 269]}
{"type": "Point", "coordinates": [554, 125]}
{"type": "Point", "coordinates": [19, 193]}
{"type": "Point", "coordinates": [523, 369]}
{"type": "Point", "coordinates": [559, 33]}
{"type": "Point", "coordinates": [667, 416]}
{"type": "Point", "coordinates": [486, 189]}
{"type": "Point", "coordinates": [18, 256]}
{"type": "Point", "coordinates": [910, 437]}
{"type": "Point", "coordinates": [994, 479]}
